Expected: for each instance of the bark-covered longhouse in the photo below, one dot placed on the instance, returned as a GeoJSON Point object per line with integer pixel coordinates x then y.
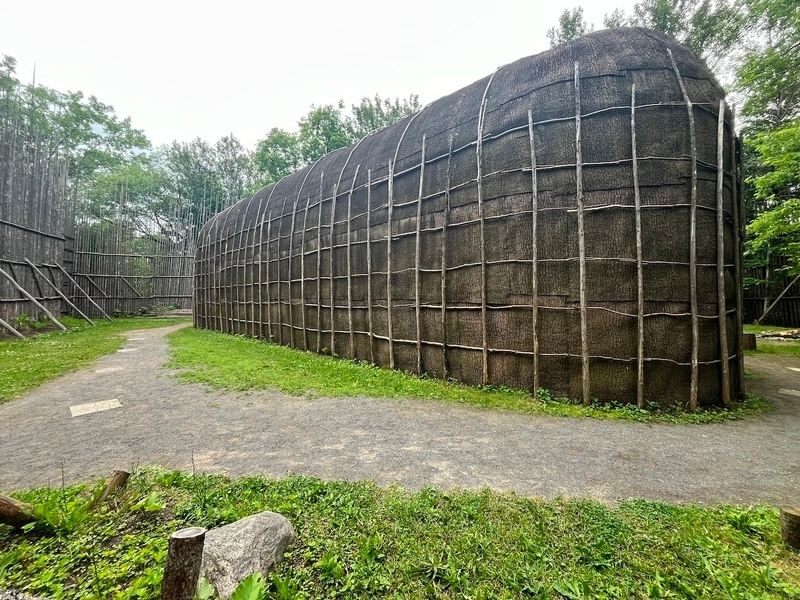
{"type": "Point", "coordinates": [571, 222]}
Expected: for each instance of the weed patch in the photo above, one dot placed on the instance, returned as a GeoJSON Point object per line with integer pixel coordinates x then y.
{"type": "Point", "coordinates": [239, 363]}
{"type": "Point", "coordinates": [357, 540]}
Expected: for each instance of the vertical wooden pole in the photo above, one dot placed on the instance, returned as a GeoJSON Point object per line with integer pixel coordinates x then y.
{"type": "Point", "coordinates": [264, 217]}
{"type": "Point", "coordinates": [482, 215]}
{"type": "Point", "coordinates": [350, 265]}
{"type": "Point", "coordinates": [303, 273]}
{"type": "Point", "coordinates": [331, 264]}
{"type": "Point", "coordinates": [269, 279]}
{"type": "Point", "coordinates": [692, 238]}
{"type": "Point", "coordinates": [417, 260]}
{"type": "Point", "coordinates": [445, 225]}
{"type": "Point", "coordinates": [280, 276]}
{"type": "Point", "coordinates": [534, 256]}
{"type": "Point", "coordinates": [389, 265]}
{"type": "Point", "coordinates": [722, 311]}
{"type": "Point", "coordinates": [587, 397]}
{"type": "Point", "coordinates": [319, 265]}
{"type": "Point", "coordinates": [291, 251]}
{"type": "Point", "coordinates": [639, 261]}
{"type": "Point", "coordinates": [369, 268]}
{"type": "Point", "coordinates": [738, 219]}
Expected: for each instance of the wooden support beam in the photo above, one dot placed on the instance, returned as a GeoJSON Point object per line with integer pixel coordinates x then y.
{"type": "Point", "coordinates": [11, 330]}
{"type": "Point", "coordinates": [280, 277]}
{"type": "Point", "coordinates": [291, 251]}
{"type": "Point", "coordinates": [59, 292]}
{"type": "Point", "coordinates": [417, 259]}
{"type": "Point", "coordinates": [722, 310]}
{"type": "Point", "coordinates": [738, 220]}
{"type": "Point", "coordinates": [349, 264]}
{"type": "Point", "coordinates": [445, 224]}
{"type": "Point", "coordinates": [639, 262]}
{"type": "Point", "coordinates": [482, 216]}
{"type": "Point", "coordinates": [534, 256]}
{"type": "Point", "coordinates": [369, 268]}
{"type": "Point", "coordinates": [692, 238]}
{"type": "Point", "coordinates": [80, 289]}
{"type": "Point", "coordinates": [587, 397]}
{"type": "Point", "coordinates": [389, 265]}
{"type": "Point", "coordinates": [35, 302]}
{"type": "Point", "coordinates": [319, 265]}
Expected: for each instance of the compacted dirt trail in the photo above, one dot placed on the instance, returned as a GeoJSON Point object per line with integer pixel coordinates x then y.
{"type": "Point", "coordinates": [154, 420]}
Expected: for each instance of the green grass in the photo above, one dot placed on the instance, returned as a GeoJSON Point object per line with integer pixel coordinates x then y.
{"type": "Point", "coordinates": [239, 363]}
{"type": "Point", "coordinates": [26, 364]}
{"type": "Point", "coordinates": [772, 346]}
{"type": "Point", "coordinates": [356, 540]}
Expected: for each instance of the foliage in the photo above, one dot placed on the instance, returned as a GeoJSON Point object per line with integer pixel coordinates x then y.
{"type": "Point", "coordinates": [356, 540]}
{"type": "Point", "coordinates": [571, 26]}
{"type": "Point", "coordinates": [708, 27]}
{"type": "Point", "coordinates": [769, 74]}
{"type": "Point", "coordinates": [239, 363]}
{"type": "Point", "coordinates": [323, 130]}
{"type": "Point", "coordinates": [26, 364]}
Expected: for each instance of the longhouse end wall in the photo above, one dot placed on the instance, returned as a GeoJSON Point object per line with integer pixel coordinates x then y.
{"type": "Point", "coordinates": [570, 222]}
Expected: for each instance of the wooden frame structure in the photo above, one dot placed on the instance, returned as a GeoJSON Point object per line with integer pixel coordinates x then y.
{"type": "Point", "coordinates": [571, 222]}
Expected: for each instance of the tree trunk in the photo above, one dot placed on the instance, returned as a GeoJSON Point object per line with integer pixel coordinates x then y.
{"type": "Point", "coordinates": [790, 525]}
{"type": "Point", "coordinates": [15, 513]}
{"type": "Point", "coordinates": [183, 564]}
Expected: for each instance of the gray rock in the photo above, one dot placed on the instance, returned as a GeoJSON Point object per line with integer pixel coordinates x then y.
{"type": "Point", "coordinates": [12, 595]}
{"type": "Point", "coordinates": [252, 545]}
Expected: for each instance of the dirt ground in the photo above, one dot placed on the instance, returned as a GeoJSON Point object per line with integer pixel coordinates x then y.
{"type": "Point", "coordinates": [412, 443]}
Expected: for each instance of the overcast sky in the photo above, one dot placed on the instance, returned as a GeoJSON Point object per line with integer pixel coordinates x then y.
{"type": "Point", "coordinates": [182, 70]}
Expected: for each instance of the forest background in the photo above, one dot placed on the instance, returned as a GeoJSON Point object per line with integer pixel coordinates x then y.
{"type": "Point", "coordinates": [753, 46]}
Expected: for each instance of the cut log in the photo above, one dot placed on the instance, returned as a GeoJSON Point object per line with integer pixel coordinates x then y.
{"type": "Point", "coordinates": [15, 513]}
{"type": "Point", "coordinates": [183, 564]}
{"type": "Point", "coordinates": [790, 525]}
{"type": "Point", "coordinates": [748, 341]}
{"type": "Point", "coordinates": [117, 480]}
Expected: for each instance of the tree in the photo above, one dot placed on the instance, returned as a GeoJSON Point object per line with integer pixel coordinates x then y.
{"type": "Point", "coordinates": [323, 130]}
{"type": "Point", "coordinates": [376, 113]}
{"type": "Point", "coordinates": [571, 26]}
{"type": "Point", "coordinates": [277, 155]}
{"type": "Point", "coordinates": [708, 27]}
{"type": "Point", "coordinates": [769, 75]}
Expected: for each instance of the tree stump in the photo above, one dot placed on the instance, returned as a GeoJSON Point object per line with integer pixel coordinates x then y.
{"type": "Point", "coordinates": [15, 513]}
{"type": "Point", "coordinates": [183, 564]}
{"type": "Point", "coordinates": [117, 480]}
{"type": "Point", "coordinates": [748, 341]}
{"type": "Point", "coordinates": [790, 525]}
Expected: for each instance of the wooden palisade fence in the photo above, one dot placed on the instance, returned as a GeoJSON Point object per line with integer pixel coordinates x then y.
{"type": "Point", "coordinates": [572, 221]}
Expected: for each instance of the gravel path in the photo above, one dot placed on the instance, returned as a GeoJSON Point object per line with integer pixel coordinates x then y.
{"type": "Point", "coordinates": [410, 442]}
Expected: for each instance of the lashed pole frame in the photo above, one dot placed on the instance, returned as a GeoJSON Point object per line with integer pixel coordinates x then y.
{"type": "Point", "coordinates": [482, 217]}
{"type": "Point", "coordinates": [692, 238]}
{"type": "Point", "coordinates": [390, 211]}
{"type": "Point", "coordinates": [319, 264]}
{"type": "Point", "coordinates": [279, 281]}
{"type": "Point", "coordinates": [333, 224]}
{"type": "Point", "coordinates": [263, 214]}
{"type": "Point", "coordinates": [722, 310]}
{"type": "Point", "coordinates": [241, 324]}
{"type": "Point", "coordinates": [586, 389]}
{"type": "Point", "coordinates": [445, 224]}
{"type": "Point", "coordinates": [369, 268]}
{"type": "Point", "coordinates": [289, 278]}
{"type": "Point", "coordinates": [349, 264]}
{"type": "Point", "coordinates": [417, 259]}
{"type": "Point", "coordinates": [738, 221]}
{"type": "Point", "coordinates": [639, 262]}
{"type": "Point", "coordinates": [534, 255]}
{"type": "Point", "coordinates": [302, 260]}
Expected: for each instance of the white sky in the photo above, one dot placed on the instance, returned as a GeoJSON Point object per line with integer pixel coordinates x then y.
{"type": "Point", "coordinates": [182, 70]}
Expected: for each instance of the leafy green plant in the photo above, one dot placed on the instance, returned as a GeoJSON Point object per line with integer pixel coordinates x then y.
{"type": "Point", "coordinates": [150, 503]}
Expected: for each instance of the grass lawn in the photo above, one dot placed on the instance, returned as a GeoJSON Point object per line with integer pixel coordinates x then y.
{"type": "Point", "coordinates": [356, 540]}
{"type": "Point", "coordinates": [240, 363]}
{"type": "Point", "coordinates": [26, 364]}
{"type": "Point", "coordinates": [772, 346]}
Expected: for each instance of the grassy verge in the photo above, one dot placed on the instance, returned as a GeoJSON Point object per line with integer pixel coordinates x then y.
{"type": "Point", "coordinates": [773, 346]}
{"type": "Point", "coordinates": [26, 364]}
{"type": "Point", "coordinates": [356, 540]}
{"type": "Point", "coordinates": [239, 363]}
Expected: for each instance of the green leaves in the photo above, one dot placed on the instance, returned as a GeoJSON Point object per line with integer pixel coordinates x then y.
{"type": "Point", "coordinates": [251, 588]}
